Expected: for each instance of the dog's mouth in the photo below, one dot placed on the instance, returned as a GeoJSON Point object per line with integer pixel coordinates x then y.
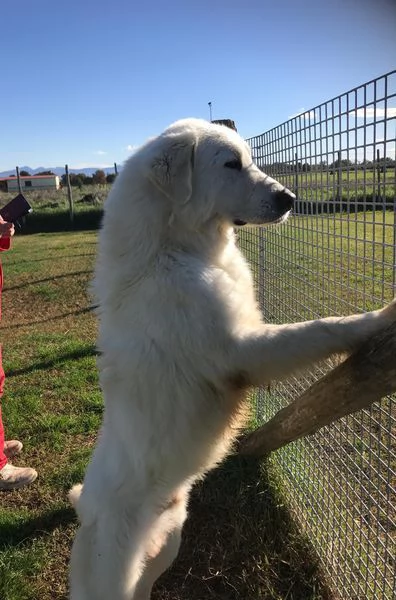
{"type": "Point", "coordinates": [275, 221]}
{"type": "Point", "coordinates": [281, 219]}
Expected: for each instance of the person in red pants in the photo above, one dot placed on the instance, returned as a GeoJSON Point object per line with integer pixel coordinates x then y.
{"type": "Point", "coordinates": [11, 477]}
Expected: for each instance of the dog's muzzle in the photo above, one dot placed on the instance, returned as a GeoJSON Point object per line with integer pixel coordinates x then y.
{"type": "Point", "coordinates": [284, 200]}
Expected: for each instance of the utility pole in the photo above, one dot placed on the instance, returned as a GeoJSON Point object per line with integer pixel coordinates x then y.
{"type": "Point", "coordinates": [210, 110]}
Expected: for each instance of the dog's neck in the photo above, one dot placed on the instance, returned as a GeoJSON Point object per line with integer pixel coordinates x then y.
{"type": "Point", "coordinates": [154, 233]}
{"type": "Point", "coordinates": [207, 242]}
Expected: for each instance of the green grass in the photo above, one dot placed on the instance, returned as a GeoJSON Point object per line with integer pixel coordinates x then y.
{"type": "Point", "coordinates": [52, 403]}
{"type": "Point", "coordinates": [336, 488]}
{"type": "Point", "coordinates": [239, 542]}
{"type": "Point", "coordinates": [323, 265]}
{"type": "Point", "coordinates": [350, 185]}
{"type": "Point", "coordinates": [338, 482]}
{"type": "Point", "coordinates": [51, 209]}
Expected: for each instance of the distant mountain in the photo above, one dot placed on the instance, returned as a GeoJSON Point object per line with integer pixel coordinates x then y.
{"type": "Point", "coordinates": [57, 170]}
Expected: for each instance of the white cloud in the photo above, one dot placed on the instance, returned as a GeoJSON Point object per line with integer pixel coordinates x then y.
{"type": "Point", "coordinates": [373, 111]}
{"type": "Point", "coordinates": [360, 155]}
{"type": "Point", "coordinates": [86, 165]}
{"type": "Point", "coordinates": [307, 114]}
{"type": "Point", "coordinates": [131, 148]}
{"type": "Point", "coordinates": [100, 152]}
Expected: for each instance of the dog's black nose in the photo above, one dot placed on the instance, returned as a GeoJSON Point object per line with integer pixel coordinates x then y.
{"type": "Point", "coordinates": [285, 200]}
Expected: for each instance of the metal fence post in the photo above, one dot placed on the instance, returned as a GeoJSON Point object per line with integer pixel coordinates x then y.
{"type": "Point", "coordinates": [339, 177]}
{"type": "Point", "coordinates": [378, 165]}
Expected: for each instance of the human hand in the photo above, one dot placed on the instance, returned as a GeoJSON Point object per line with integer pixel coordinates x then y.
{"type": "Point", "coordinates": [6, 229]}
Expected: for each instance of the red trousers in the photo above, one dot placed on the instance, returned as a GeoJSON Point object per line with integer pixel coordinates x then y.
{"type": "Point", "coordinates": [4, 245]}
{"type": "Point", "coordinates": [3, 459]}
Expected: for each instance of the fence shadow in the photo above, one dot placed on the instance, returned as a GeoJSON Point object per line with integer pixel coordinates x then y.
{"type": "Point", "coordinates": [87, 351]}
{"type": "Point", "coordinates": [239, 543]}
{"type": "Point", "coordinates": [29, 529]}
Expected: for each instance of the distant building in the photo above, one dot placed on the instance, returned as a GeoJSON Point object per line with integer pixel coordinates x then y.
{"type": "Point", "coordinates": [33, 182]}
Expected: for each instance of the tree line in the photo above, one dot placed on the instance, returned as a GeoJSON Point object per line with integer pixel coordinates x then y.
{"type": "Point", "coordinates": [77, 179]}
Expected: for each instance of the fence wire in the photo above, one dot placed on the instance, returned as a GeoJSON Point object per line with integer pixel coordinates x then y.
{"type": "Point", "coordinates": [336, 255]}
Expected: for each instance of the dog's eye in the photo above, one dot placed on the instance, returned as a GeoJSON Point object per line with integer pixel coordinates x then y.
{"type": "Point", "coordinates": [234, 164]}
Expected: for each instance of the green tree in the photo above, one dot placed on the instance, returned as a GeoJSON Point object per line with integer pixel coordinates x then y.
{"type": "Point", "coordinates": [77, 180]}
{"type": "Point", "coordinates": [345, 162]}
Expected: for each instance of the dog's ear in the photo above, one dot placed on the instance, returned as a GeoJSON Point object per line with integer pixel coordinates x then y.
{"type": "Point", "coordinates": [172, 166]}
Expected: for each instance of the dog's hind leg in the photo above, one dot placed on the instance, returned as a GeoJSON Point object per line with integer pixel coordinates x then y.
{"type": "Point", "coordinates": [163, 544]}
{"type": "Point", "coordinates": [82, 587]}
{"type": "Point", "coordinates": [108, 554]}
{"type": "Point", "coordinates": [158, 565]}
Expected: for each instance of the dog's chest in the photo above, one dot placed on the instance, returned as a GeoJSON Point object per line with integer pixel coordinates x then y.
{"type": "Point", "coordinates": [241, 291]}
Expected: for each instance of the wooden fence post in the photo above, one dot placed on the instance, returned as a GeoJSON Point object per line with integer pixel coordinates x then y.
{"type": "Point", "coordinates": [70, 194]}
{"type": "Point", "coordinates": [19, 180]}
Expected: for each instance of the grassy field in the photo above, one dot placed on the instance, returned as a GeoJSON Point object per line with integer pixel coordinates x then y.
{"type": "Point", "coordinates": [348, 185]}
{"type": "Point", "coordinates": [51, 209]}
{"type": "Point", "coordinates": [316, 266]}
{"type": "Point", "coordinates": [239, 542]}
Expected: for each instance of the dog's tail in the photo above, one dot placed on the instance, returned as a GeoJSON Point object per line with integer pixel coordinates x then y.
{"type": "Point", "coordinates": [74, 495]}
{"type": "Point", "coordinates": [85, 511]}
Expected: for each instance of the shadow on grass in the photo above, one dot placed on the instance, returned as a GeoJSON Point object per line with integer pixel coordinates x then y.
{"type": "Point", "coordinates": [55, 361]}
{"type": "Point", "coordinates": [71, 274]}
{"type": "Point", "coordinates": [240, 543]}
{"type": "Point", "coordinates": [27, 529]}
{"type": "Point", "coordinates": [49, 258]}
{"type": "Point", "coordinates": [76, 313]}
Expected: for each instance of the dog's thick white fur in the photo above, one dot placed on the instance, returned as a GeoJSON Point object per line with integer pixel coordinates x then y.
{"type": "Point", "coordinates": [181, 340]}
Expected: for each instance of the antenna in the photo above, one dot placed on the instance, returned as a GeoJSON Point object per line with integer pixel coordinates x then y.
{"type": "Point", "coordinates": [210, 110]}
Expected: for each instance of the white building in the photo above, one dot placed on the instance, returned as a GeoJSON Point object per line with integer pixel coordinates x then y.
{"type": "Point", "coordinates": [33, 182]}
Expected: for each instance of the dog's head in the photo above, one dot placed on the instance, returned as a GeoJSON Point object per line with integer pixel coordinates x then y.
{"type": "Point", "coordinates": [206, 171]}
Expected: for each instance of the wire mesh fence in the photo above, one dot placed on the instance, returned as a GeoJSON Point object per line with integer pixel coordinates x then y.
{"type": "Point", "coordinates": [336, 255]}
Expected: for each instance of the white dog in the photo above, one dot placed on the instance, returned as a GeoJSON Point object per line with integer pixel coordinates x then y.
{"type": "Point", "coordinates": [181, 340]}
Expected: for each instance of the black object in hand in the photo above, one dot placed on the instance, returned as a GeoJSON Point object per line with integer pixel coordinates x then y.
{"type": "Point", "coordinates": [17, 208]}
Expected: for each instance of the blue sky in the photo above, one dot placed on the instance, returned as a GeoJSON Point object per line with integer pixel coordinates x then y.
{"type": "Point", "coordinates": [84, 82]}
